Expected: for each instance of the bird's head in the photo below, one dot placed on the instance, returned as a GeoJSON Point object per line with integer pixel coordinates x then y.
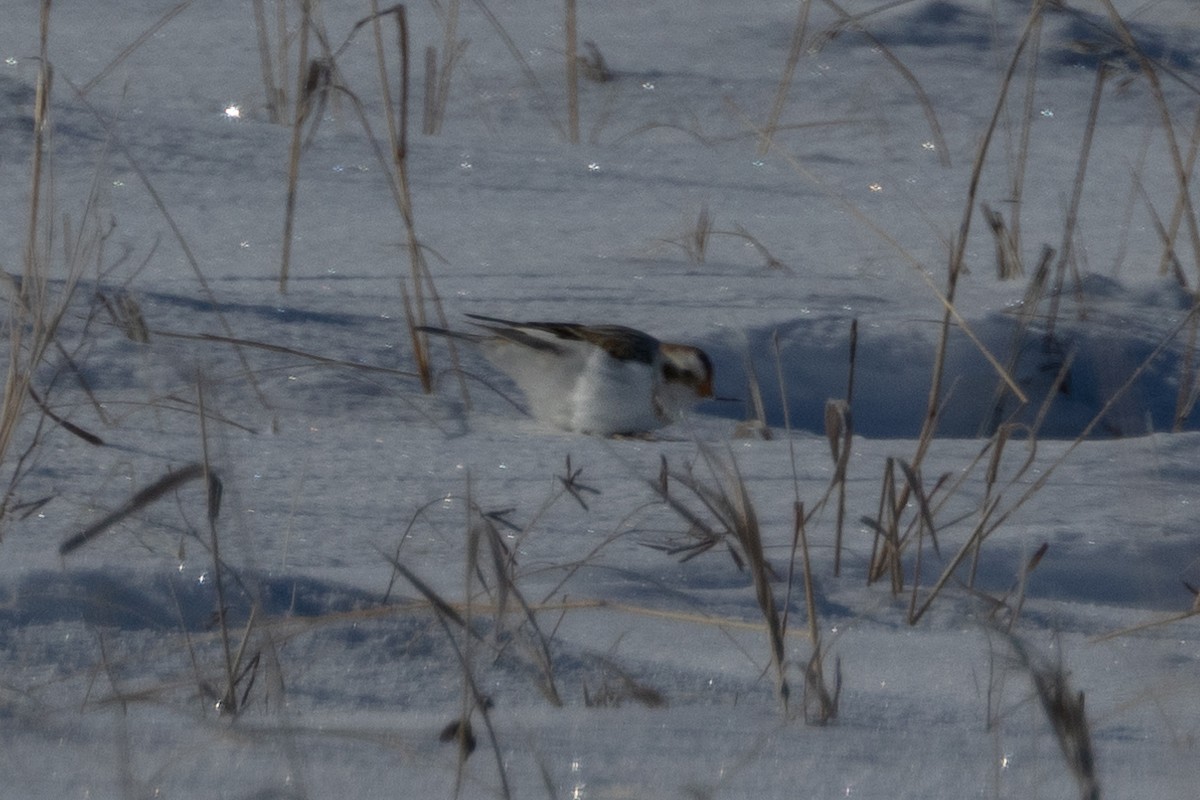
{"type": "Point", "coordinates": [687, 366]}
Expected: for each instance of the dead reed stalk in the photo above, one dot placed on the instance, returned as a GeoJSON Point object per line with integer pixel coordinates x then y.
{"type": "Point", "coordinates": [27, 302]}
{"type": "Point", "coordinates": [1064, 709]}
{"type": "Point", "coordinates": [419, 295]}
{"type": "Point", "coordinates": [820, 703]}
{"type": "Point", "coordinates": [839, 430]}
{"type": "Point", "coordinates": [727, 500]}
{"type": "Point", "coordinates": [274, 65]}
{"type": "Point", "coordinates": [474, 700]}
{"type": "Point", "coordinates": [957, 258]}
{"type": "Point", "coordinates": [795, 50]}
{"type": "Point", "coordinates": [300, 112]}
{"type": "Point", "coordinates": [526, 69]}
{"type": "Point", "coordinates": [438, 75]}
{"type": "Point", "coordinates": [572, 55]}
{"type": "Point", "coordinates": [854, 22]}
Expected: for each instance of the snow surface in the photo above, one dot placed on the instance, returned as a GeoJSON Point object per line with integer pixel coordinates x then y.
{"type": "Point", "coordinates": [111, 659]}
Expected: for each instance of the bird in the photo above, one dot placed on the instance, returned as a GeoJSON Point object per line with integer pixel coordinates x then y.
{"type": "Point", "coordinates": [606, 380]}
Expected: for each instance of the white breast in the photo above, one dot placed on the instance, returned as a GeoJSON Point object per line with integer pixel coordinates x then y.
{"type": "Point", "coordinates": [580, 387]}
{"type": "Point", "coordinates": [613, 396]}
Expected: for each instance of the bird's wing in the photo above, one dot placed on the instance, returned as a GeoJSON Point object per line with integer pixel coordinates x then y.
{"type": "Point", "coordinates": [534, 336]}
{"type": "Point", "coordinates": [622, 343]}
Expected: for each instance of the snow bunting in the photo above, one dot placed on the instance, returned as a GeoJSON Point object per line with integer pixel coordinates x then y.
{"type": "Point", "coordinates": [600, 379]}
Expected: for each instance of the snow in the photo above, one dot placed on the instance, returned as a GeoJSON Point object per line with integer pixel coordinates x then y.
{"type": "Point", "coordinates": [336, 479]}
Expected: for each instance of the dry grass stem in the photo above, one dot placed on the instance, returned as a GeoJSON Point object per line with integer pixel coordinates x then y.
{"type": "Point", "coordinates": [694, 242]}
{"type": "Point", "coordinates": [129, 49]}
{"type": "Point", "coordinates": [1066, 249]}
{"type": "Point", "coordinates": [994, 513]}
{"type": "Point", "coordinates": [770, 260]}
{"type": "Point", "coordinates": [1064, 709]}
{"type": "Point", "coordinates": [820, 703]}
{"type": "Point", "coordinates": [572, 65]}
{"type": "Point", "coordinates": [526, 70]}
{"type": "Point", "coordinates": [30, 312]}
{"type": "Point", "coordinates": [1008, 250]}
{"type": "Point", "coordinates": [181, 240]}
{"type": "Point", "coordinates": [944, 299]}
{"type": "Point", "coordinates": [727, 499]}
{"type": "Point", "coordinates": [957, 258]}
{"type": "Point", "coordinates": [935, 128]}
{"type": "Point", "coordinates": [65, 424]}
{"type": "Point", "coordinates": [1020, 161]}
{"type": "Point", "coordinates": [419, 295]}
{"type": "Point", "coordinates": [839, 431]}
{"type": "Point", "coordinates": [1170, 233]}
{"type": "Point", "coordinates": [592, 66]}
{"type": "Point", "coordinates": [755, 425]}
{"type": "Point", "coordinates": [460, 731]}
{"type": "Point", "coordinates": [795, 50]}
{"type": "Point", "coordinates": [1182, 173]}
{"type": "Point", "coordinates": [229, 701]}
{"type": "Point", "coordinates": [439, 75]}
{"type": "Point", "coordinates": [1034, 292]}
{"type": "Point", "coordinates": [276, 95]}
{"type": "Point", "coordinates": [155, 491]}
{"type": "Point", "coordinates": [628, 687]}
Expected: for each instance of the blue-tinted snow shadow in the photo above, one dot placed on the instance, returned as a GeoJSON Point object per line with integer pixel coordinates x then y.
{"type": "Point", "coordinates": [1147, 571]}
{"type": "Point", "coordinates": [130, 601]}
{"type": "Point", "coordinates": [1074, 37]}
{"type": "Point", "coordinates": [892, 377]}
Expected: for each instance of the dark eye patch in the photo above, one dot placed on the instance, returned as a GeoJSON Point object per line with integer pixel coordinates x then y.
{"type": "Point", "coordinates": [671, 372]}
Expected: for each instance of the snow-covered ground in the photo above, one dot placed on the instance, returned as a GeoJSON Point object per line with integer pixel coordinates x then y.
{"type": "Point", "coordinates": [628, 662]}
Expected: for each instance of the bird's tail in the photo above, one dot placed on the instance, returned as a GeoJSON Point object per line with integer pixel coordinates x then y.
{"type": "Point", "coordinates": [466, 337]}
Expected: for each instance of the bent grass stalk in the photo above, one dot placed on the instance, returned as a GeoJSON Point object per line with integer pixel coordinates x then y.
{"type": "Point", "coordinates": [26, 309]}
